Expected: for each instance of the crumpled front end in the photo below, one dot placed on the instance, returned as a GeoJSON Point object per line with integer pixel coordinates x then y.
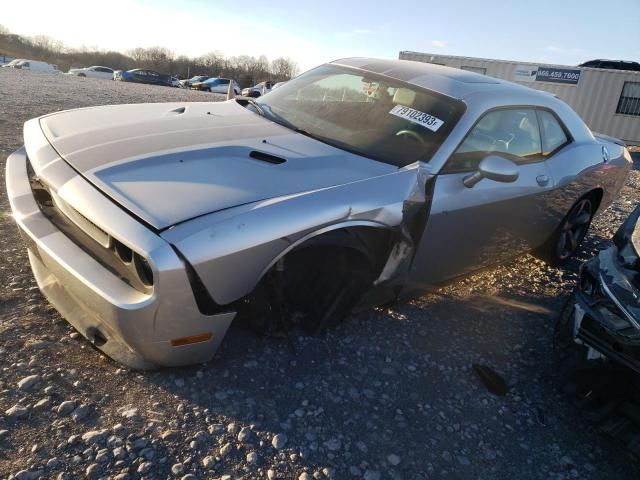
{"type": "Point", "coordinates": [607, 310]}
{"type": "Point", "coordinates": [116, 281]}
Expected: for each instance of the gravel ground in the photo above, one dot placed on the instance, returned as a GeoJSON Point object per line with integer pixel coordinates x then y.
{"type": "Point", "coordinates": [388, 394]}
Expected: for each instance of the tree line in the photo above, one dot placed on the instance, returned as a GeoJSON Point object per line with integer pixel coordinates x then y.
{"type": "Point", "coordinates": [246, 69]}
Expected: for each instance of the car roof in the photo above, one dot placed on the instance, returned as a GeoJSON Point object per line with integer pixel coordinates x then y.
{"type": "Point", "coordinates": [449, 81]}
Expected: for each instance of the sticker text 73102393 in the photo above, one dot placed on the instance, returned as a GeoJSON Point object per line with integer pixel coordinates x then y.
{"type": "Point", "coordinates": [416, 116]}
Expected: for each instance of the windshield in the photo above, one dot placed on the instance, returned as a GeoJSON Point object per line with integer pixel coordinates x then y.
{"type": "Point", "coordinates": [372, 115]}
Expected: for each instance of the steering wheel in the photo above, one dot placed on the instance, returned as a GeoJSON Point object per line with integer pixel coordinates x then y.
{"type": "Point", "coordinates": [411, 134]}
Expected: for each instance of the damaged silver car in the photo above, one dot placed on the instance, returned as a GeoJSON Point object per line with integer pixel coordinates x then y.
{"type": "Point", "coordinates": [151, 227]}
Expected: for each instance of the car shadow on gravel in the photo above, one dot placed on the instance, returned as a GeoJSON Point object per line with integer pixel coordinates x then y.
{"type": "Point", "coordinates": [399, 382]}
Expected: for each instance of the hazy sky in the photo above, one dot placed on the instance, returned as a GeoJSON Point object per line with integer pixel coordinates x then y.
{"type": "Point", "coordinates": [311, 32]}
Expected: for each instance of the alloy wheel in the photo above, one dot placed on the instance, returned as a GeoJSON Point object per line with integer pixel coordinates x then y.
{"type": "Point", "coordinates": [574, 228]}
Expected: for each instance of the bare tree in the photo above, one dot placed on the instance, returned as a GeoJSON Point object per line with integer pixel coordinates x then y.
{"type": "Point", "coordinates": [284, 68]}
{"type": "Point", "coordinates": [248, 70]}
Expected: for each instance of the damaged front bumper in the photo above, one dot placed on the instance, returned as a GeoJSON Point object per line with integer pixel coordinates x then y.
{"type": "Point", "coordinates": [607, 307]}
{"type": "Point", "coordinates": [142, 329]}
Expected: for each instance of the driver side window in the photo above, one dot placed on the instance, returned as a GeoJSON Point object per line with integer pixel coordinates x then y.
{"type": "Point", "coordinates": [510, 133]}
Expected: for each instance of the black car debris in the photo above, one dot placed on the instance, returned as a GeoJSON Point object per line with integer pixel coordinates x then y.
{"type": "Point", "coordinates": [597, 338]}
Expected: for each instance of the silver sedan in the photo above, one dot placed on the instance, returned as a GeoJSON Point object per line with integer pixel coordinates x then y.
{"type": "Point", "coordinates": [152, 227]}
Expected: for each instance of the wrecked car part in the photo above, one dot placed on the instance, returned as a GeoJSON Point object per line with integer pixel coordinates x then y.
{"type": "Point", "coordinates": [492, 380]}
{"type": "Point", "coordinates": [597, 339]}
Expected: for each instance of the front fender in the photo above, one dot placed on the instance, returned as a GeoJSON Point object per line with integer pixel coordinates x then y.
{"type": "Point", "coordinates": [232, 249]}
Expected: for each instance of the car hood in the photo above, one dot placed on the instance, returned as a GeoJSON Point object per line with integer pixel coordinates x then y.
{"type": "Point", "coordinates": [170, 162]}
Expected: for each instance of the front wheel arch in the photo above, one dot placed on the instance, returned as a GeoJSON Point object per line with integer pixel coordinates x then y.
{"type": "Point", "coordinates": [338, 266]}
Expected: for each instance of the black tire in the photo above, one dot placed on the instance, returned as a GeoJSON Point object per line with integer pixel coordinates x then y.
{"type": "Point", "coordinates": [82, 75]}
{"type": "Point", "coordinates": [317, 289]}
{"type": "Point", "coordinates": [324, 284]}
{"type": "Point", "coordinates": [568, 237]}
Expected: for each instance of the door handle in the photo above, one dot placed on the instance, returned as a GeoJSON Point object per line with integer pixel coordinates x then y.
{"type": "Point", "coordinates": [543, 180]}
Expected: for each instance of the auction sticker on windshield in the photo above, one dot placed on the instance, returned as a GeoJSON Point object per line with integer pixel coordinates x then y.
{"type": "Point", "coordinates": [416, 116]}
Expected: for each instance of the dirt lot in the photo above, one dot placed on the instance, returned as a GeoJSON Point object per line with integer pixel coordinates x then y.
{"type": "Point", "coordinates": [389, 394]}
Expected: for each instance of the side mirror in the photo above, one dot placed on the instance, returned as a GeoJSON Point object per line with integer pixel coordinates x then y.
{"type": "Point", "coordinates": [494, 168]}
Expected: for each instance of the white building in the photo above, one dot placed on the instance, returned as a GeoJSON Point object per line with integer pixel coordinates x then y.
{"type": "Point", "coordinates": [607, 100]}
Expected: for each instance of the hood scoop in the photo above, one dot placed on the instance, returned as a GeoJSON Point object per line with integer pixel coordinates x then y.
{"type": "Point", "coordinates": [177, 111]}
{"type": "Point", "coordinates": [266, 157]}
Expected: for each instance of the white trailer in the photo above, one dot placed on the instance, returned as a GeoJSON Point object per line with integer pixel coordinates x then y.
{"type": "Point", "coordinates": [607, 100]}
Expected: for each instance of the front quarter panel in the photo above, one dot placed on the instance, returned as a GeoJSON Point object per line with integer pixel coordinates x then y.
{"type": "Point", "coordinates": [232, 249]}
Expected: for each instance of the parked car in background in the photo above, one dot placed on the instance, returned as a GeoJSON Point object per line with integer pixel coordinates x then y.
{"type": "Point", "coordinates": [32, 65]}
{"type": "Point", "coordinates": [175, 81]}
{"type": "Point", "coordinates": [151, 227]}
{"type": "Point", "coordinates": [186, 83]}
{"type": "Point", "coordinates": [105, 73]}
{"type": "Point", "coordinates": [142, 75]}
{"type": "Point", "coordinates": [257, 90]}
{"type": "Point", "coordinates": [216, 85]}
{"type": "Point", "coordinates": [613, 64]}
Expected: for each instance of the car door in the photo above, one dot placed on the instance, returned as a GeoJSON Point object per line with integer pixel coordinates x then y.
{"type": "Point", "coordinates": [472, 228]}
{"type": "Point", "coordinates": [103, 72]}
{"type": "Point", "coordinates": [223, 86]}
{"type": "Point", "coordinates": [140, 76]}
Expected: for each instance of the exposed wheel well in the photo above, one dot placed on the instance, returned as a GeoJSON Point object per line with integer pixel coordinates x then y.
{"type": "Point", "coordinates": [596, 195]}
{"type": "Point", "coordinates": [369, 242]}
{"type": "Point", "coordinates": [335, 267]}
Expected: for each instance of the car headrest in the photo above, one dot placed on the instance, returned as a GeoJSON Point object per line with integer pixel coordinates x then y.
{"type": "Point", "coordinates": [404, 96]}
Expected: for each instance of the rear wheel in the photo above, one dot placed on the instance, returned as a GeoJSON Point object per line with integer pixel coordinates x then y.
{"type": "Point", "coordinates": [567, 239]}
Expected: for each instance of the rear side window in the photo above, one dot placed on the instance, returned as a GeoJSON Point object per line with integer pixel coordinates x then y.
{"type": "Point", "coordinates": [553, 135]}
{"type": "Point", "coordinates": [224, 82]}
{"type": "Point", "coordinates": [510, 133]}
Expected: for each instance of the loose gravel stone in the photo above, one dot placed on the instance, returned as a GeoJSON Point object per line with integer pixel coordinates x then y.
{"type": "Point", "coordinates": [393, 459]}
{"type": "Point", "coordinates": [93, 437]}
{"type": "Point", "coordinates": [170, 435]}
{"type": "Point", "coordinates": [27, 383]}
{"type": "Point", "coordinates": [66, 407]}
{"type": "Point", "coordinates": [226, 449]}
{"type": "Point", "coordinates": [244, 434]}
{"type": "Point", "coordinates": [145, 467]}
{"type": "Point", "coordinates": [93, 471]}
{"type": "Point", "coordinates": [279, 441]}
{"type": "Point", "coordinates": [17, 412]}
